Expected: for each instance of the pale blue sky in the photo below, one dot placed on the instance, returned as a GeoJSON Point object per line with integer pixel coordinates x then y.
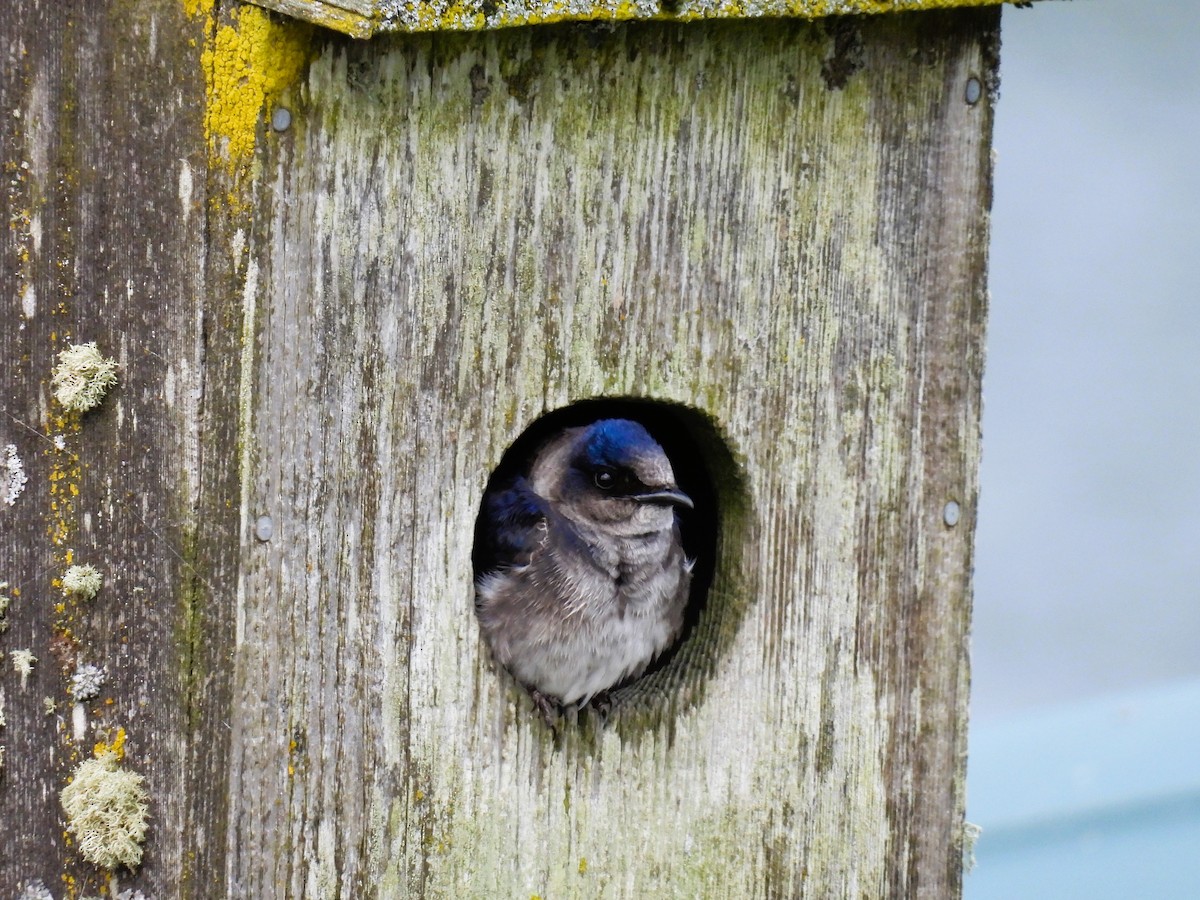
{"type": "Point", "coordinates": [1088, 545]}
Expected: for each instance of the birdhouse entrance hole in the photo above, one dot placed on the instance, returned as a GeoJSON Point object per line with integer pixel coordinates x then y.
{"type": "Point", "coordinates": [705, 471]}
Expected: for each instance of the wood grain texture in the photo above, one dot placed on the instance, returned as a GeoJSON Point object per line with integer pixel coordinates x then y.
{"type": "Point", "coordinates": [777, 228]}
{"type": "Point", "coordinates": [101, 134]}
{"type": "Point", "coordinates": [780, 225]}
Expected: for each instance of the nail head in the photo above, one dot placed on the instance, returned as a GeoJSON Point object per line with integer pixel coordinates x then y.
{"type": "Point", "coordinates": [264, 528]}
{"type": "Point", "coordinates": [974, 91]}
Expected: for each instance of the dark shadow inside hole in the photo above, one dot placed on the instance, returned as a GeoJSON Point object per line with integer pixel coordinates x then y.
{"type": "Point", "coordinates": [704, 469]}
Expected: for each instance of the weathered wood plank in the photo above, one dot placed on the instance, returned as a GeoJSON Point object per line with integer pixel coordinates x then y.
{"type": "Point", "coordinates": [780, 225]}
{"type": "Point", "coordinates": [101, 134]}
{"type": "Point", "coordinates": [364, 18]}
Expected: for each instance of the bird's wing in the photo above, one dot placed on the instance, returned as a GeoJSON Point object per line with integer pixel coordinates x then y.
{"type": "Point", "coordinates": [513, 526]}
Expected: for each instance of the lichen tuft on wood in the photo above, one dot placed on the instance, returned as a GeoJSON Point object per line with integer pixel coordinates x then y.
{"type": "Point", "coordinates": [364, 18]}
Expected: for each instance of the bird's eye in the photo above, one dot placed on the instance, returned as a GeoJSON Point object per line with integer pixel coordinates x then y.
{"type": "Point", "coordinates": [605, 479]}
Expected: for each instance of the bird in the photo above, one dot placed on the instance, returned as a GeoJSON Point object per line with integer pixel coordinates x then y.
{"type": "Point", "coordinates": [581, 575]}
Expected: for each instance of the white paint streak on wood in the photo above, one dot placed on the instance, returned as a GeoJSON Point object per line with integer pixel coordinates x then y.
{"type": "Point", "coordinates": [185, 191]}
{"type": "Point", "coordinates": [246, 408]}
{"type": "Point", "coordinates": [79, 722]}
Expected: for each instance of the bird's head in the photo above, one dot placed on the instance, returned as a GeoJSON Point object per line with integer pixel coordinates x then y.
{"type": "Point", "coordinates": [611, 472]}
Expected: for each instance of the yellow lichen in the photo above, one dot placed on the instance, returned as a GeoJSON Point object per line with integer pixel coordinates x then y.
{"type": "Point", "coordinates": [247, 65]}
{"type": "Point", "coordinates": [460, 15]}
{"type": "Point", "coordinates": [116, 746]}
{"type": "Point", "coordinates": [65, 475]}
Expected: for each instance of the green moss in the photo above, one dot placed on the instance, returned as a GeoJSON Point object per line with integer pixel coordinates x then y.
{"type": "Point", "coordinates": [191, 632]}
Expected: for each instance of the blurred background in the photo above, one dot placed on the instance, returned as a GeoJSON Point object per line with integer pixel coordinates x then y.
{"type": "Point", "coordinates": [1084, 769]}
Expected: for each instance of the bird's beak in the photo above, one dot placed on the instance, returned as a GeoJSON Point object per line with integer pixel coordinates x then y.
{"type": "Point", "coordinates": [670, 495]}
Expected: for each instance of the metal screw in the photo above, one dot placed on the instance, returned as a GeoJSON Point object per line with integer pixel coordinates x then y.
{"type": "Point", "coordinates": [281, 118]}
{"type": "Point", "coordinates": [974, 91]}
{"type": "Point", "coordinates": [264, 528]}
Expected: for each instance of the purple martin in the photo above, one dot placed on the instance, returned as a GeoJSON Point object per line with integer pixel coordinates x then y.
{"type": "Point", "coordinates": [583, 579]}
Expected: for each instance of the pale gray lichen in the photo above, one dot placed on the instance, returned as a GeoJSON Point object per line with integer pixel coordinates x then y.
{"type": "Point", "coordinates": [36, 890]}
{"type": "Point", "coordinates": [4, 601]}
{"type": "Point", "coordinates": [82, 377]}
{"type": "Point", "coordinates": [87, 681]}
{"type": "Point", "coordinates": [23, 661]}
{"type": "Point", "coordinates": [82, 581]}
{"type": "Point", "coordinates": [14, 474]}
{"type": "Point", "coordinates": [106, 811]}
{"type": "Point", "coordinates": [971, 833]}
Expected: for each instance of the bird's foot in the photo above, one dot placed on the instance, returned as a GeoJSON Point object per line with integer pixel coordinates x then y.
{"type": "Point", "coordinates": [548, 706]}
{"type": "Point", "coordinates": [602, 704]}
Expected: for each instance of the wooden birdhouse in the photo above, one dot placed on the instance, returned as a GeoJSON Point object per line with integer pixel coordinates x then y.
{"type": "Point", "coordinates": [339, 280]}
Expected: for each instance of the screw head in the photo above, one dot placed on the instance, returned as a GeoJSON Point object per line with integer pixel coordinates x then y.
{"type": "Point", "coordinates": [264, 528]}
{"type": "Point", "coordinates": [973, 91]}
